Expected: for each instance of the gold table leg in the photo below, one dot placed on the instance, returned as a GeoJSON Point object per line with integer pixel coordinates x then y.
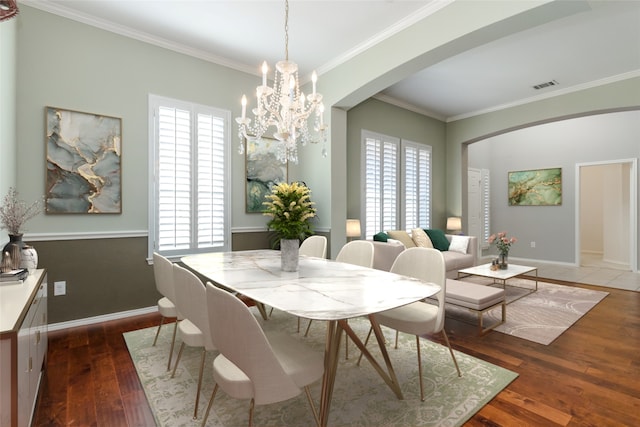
{"type": "Point", "coordinates": [331, 356]}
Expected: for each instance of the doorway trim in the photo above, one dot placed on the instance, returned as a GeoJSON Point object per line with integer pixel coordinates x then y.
{"type": "Point", "coordinates": [633, 208]}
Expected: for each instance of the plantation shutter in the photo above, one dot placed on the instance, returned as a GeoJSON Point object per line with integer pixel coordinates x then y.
{"type": "Point", "coordinates": [191, 204]}
{"type": "Point", "coordinates": [486, 207]}
{"type": "Point", "coordinates": [380, 169]}
{"type": "Point", "coordinates": [417, 185]}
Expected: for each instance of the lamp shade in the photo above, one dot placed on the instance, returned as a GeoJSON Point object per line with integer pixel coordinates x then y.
{"type": "Point", "coordinates": [353, 228]}
{"type": "Point", "coordinates": [454, 223]}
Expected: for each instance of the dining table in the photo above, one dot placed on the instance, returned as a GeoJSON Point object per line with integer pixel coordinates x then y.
{"type": "Point", "coordinates": [321, 290]}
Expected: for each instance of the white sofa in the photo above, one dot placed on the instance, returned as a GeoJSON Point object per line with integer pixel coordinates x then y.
{"type": "Point", "coordinates": [385, 254]}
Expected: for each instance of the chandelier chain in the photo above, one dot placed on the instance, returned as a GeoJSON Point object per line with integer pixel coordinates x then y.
{"type": "Point", "coordinates": [286, 30]}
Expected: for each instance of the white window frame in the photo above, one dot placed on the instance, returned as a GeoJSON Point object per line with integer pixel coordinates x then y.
{"type": "Point", "coordinates": [193, 246]}
{"type": "Point", "coordinates": [391, 216]}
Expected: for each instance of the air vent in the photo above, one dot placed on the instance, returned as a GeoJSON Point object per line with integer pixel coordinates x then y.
{"type": "Point", "coordinates": [545, 84]}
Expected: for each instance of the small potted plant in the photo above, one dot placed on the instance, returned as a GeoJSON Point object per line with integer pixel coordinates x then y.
{"type": "Point", "coordinates": [291, 210]}
{"type": "Point", "coordinates": [14, 213]}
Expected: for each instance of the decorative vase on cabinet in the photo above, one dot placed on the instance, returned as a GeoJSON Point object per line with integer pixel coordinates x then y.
{"type": "Point", "coordinates": [29, 258]}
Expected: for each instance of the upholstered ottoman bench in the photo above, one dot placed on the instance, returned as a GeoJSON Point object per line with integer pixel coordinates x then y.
{"type": "Point", "coordinates": [476, 298]}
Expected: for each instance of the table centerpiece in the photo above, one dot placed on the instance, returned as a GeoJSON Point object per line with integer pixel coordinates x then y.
{"type": "Point", "coordinates": [291, 210]}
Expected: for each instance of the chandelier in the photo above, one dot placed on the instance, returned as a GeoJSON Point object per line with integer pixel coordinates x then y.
{"type": "Point", "coordinates": [285, 109]}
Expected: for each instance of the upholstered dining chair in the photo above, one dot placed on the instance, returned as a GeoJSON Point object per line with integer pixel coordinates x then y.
{"type": "Point", "coordinates": [194, 328]}
{"type": "Point", "coordinates": [252, 365]}
{"type": "Point", "coordinates": [357, 252]}
{"type": "Point", "coordinates": [419, 318]}
{"type": "Point", "coordinates": [315, 246]}
{"type": "Point", "coordinates": [163, 276]}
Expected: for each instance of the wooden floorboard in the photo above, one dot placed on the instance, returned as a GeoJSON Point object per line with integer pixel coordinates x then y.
{"type": "Point", "coordinates": [589, 376]}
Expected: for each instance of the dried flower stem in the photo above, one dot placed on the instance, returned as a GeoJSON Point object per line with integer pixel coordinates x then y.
{"type": "Point", "coordinates": [14, 212]}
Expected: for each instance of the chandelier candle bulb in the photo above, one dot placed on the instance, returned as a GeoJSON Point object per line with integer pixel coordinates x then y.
{"type": "Point", "coordinates": [314, 79]}
{"type": "Point", "coordinates": [244, 107]}
{"type": "Point", "coordinates": [265, 68]}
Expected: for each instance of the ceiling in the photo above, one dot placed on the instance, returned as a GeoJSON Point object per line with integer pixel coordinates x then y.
{"type": "Point", "coordinates": [596, 45]}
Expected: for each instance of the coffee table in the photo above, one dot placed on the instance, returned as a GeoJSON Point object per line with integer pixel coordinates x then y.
{"type": "Point", "coordinates": [500, 277]}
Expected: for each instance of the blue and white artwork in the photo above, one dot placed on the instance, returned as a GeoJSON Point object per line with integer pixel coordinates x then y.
{"type": "Point", "coordinates": [263, 171]}
{"type": "Point", "coordinates": [83, 163]}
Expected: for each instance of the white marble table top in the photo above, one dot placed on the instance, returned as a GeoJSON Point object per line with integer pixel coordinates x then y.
{"type": "Point", "coordinates": [321, 289]}
{"type": "Point", "coordinates": [484, 270]}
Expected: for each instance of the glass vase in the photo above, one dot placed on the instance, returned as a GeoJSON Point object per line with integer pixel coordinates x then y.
{"type": "Point", "coordinates": [503, 260]}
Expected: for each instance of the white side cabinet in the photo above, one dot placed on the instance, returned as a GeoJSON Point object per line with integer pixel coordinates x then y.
{"type": "Point", "coordinates": [23, 347]}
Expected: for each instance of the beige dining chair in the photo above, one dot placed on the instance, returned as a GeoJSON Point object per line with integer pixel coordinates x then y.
{"type": "Point", "coordinates": [314, 246]}
{"type": "Point", "coordinates": [163, 276]}
{"type": "Point", "coordinates": [356, 252]}
{"type": "Point", "coordinates": [252, 365]}
{"type": "Point", "coordinates": [194, 328]}
{"type": "Point", "coordinates": [419, 318]}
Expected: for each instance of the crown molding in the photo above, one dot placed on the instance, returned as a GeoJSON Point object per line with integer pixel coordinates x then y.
{"type": "Point", "coordinates": [129, 32]}
{"type": "Point", "coordinates": [548, 95]}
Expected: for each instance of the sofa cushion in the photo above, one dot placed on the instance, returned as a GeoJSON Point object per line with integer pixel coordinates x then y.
{"type": "Point", "coordinates": [385, 254]}
{"type": "Point", "coordinates": [420, 238]}
{"type": "Point", "coordinates": [439, 240]}
{"type": "Point", "coordinates": [457, 261]}
{"type": "Point", "coordinates": [380, 237]}
{"type": "Point", "coordinates": [459, 244]}
{"type": "Point", "coordinates": [403, 236]}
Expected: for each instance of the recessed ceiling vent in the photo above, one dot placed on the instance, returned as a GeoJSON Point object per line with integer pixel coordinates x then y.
{"type": "Point", "coordinates": [545, 84]}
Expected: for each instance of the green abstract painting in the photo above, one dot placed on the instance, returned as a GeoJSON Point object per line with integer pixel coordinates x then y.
{"type": "Point", "coordinates": [540, 187]}
{"type": "Point", "coordinates": [263, 171]}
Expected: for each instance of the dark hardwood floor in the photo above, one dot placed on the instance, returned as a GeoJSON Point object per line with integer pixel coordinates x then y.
{"type": "Point", "coordinates": [589, 376]}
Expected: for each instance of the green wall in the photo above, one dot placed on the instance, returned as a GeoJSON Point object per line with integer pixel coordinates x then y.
{"type": "Point", "coordinates": [7, 106]}
{"type": "Point", "coordinates": [380, 117]}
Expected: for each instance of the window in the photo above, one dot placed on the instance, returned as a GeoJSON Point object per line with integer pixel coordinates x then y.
{"type": "Point", "coordinates": [397, 188]}
{"type": "Point", "coordinates": [189, 200]}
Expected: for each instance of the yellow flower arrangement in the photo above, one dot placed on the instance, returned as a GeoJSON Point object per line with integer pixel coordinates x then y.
{"type": "Point", "coordinates": [291, 209]}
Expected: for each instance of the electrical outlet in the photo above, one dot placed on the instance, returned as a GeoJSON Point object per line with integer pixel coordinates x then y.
{"type": "Point", "coordinates": [533, 244]}
{"type": "Point", "coordinates": [59, 288]}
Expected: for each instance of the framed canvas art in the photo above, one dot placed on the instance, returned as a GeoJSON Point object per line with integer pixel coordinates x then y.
{"type": "Point", "coordinates": [83, 163]}
{"type": "Point", "coordinates": [263, 171]}
{"type": "Point", "coordinates": [538, 187]}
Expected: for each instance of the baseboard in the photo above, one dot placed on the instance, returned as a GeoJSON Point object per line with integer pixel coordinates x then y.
{"type": "Point", "coordinates": [101, 318]}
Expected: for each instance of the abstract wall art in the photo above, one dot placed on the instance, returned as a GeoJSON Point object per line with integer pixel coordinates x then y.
{"type": "Point", "coordinates": [83, 163]}
{"type": "Point", "coordinates": [539, 187]}
{"type": "Point", "coordinates": [263, 171]}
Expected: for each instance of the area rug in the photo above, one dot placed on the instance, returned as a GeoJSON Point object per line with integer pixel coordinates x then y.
{"type": "Point", "coordinates": [541, 316]}
{"type": "Point", "coordinates": [360, 398]}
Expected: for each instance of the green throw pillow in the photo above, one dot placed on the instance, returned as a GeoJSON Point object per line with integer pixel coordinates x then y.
{"type": "Point", "coordinates": [380, 237]}
{"type": "Point", "coordinates": [439, 240]}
